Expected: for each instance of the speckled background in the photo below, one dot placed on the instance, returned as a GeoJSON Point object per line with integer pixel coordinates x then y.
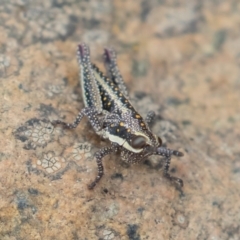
{"type": "Point", "coordinates": [179, 58]}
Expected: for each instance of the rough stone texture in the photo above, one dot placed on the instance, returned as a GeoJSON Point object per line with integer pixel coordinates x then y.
{"type": "Point", "coordinates": [180, 58]}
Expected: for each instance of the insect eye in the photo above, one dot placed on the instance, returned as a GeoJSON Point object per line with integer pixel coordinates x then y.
{"type": "Point", "coordinates": [160, 141]}
{"type": "Point", "coordinates": [138, 142]}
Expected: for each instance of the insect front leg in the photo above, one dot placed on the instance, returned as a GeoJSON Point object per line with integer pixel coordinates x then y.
{"type": "Point", "coordinates": [99, 156]}
{"type": "Point", "coordinates": [174, 180]}
{"type": "Point", "coordinates": [167, 154]}
{"type": "Point", "coordinates": [92, 115]}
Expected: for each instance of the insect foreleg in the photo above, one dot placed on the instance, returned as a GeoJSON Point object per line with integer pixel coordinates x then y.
{"type": "Point", "coordinates": [99, 156]}
{"type": "Point", "coordinates": [175, 180]}
{"type": "Point", "coordinates": [167, 154]}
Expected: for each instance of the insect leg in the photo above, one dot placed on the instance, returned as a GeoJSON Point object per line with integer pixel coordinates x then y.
{"type": "Point", "coordinates": [175, 180]}
{"type": "Point", "coordinates": [92, 115]}
{"type": "Point", "coordinates": [167, 153]}
{"type": "Point", "coordinates": [110, 60]}
{"type": "Point", "coordinates": [150, 117]}
{"type": "Point", "coordinates": [90, 90]}
{"type": "Point", "coordinates": [99, 156]}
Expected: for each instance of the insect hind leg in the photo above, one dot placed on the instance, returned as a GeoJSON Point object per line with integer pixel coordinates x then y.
{"type": "Point", "coordinates": [110, 61]}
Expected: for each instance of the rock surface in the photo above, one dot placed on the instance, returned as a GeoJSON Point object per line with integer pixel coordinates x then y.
{"type": "Point", "coordinates": [179, 58]}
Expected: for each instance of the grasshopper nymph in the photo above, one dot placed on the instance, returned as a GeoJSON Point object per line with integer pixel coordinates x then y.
{"type": "Point", "coordinates": [113, 117]}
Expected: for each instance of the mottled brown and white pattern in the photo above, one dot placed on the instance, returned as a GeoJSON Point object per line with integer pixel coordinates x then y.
{"type": "Point", "coordinates": [113, 117]}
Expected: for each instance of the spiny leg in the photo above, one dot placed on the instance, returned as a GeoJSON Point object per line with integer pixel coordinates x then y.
{"type": "Point", "coordinates": [167, 153]}
{"type": "Point", "coordinates": [90, 90]}
{"type": "Point", "coordinates": [99, 156]}
{"type": "Point", "coordinates": [110, 60]}
{"type": "Point", "coordinates": [175, 180]}
{"type": "Point", "coordinates": [150, 117]}
{"type": "Point", "coordinates": [90, 113]}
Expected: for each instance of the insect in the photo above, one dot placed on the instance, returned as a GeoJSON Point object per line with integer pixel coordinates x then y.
{"type": "Point", "coordinates": [112, 116]}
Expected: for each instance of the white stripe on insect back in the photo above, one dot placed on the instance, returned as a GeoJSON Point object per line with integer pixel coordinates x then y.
{"type": "Point", "coordinates": [111, 93]}
{"type": "Point", "coordinates": [110, 60]}
{"type": "Point", "coordinates": [122, 142]}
